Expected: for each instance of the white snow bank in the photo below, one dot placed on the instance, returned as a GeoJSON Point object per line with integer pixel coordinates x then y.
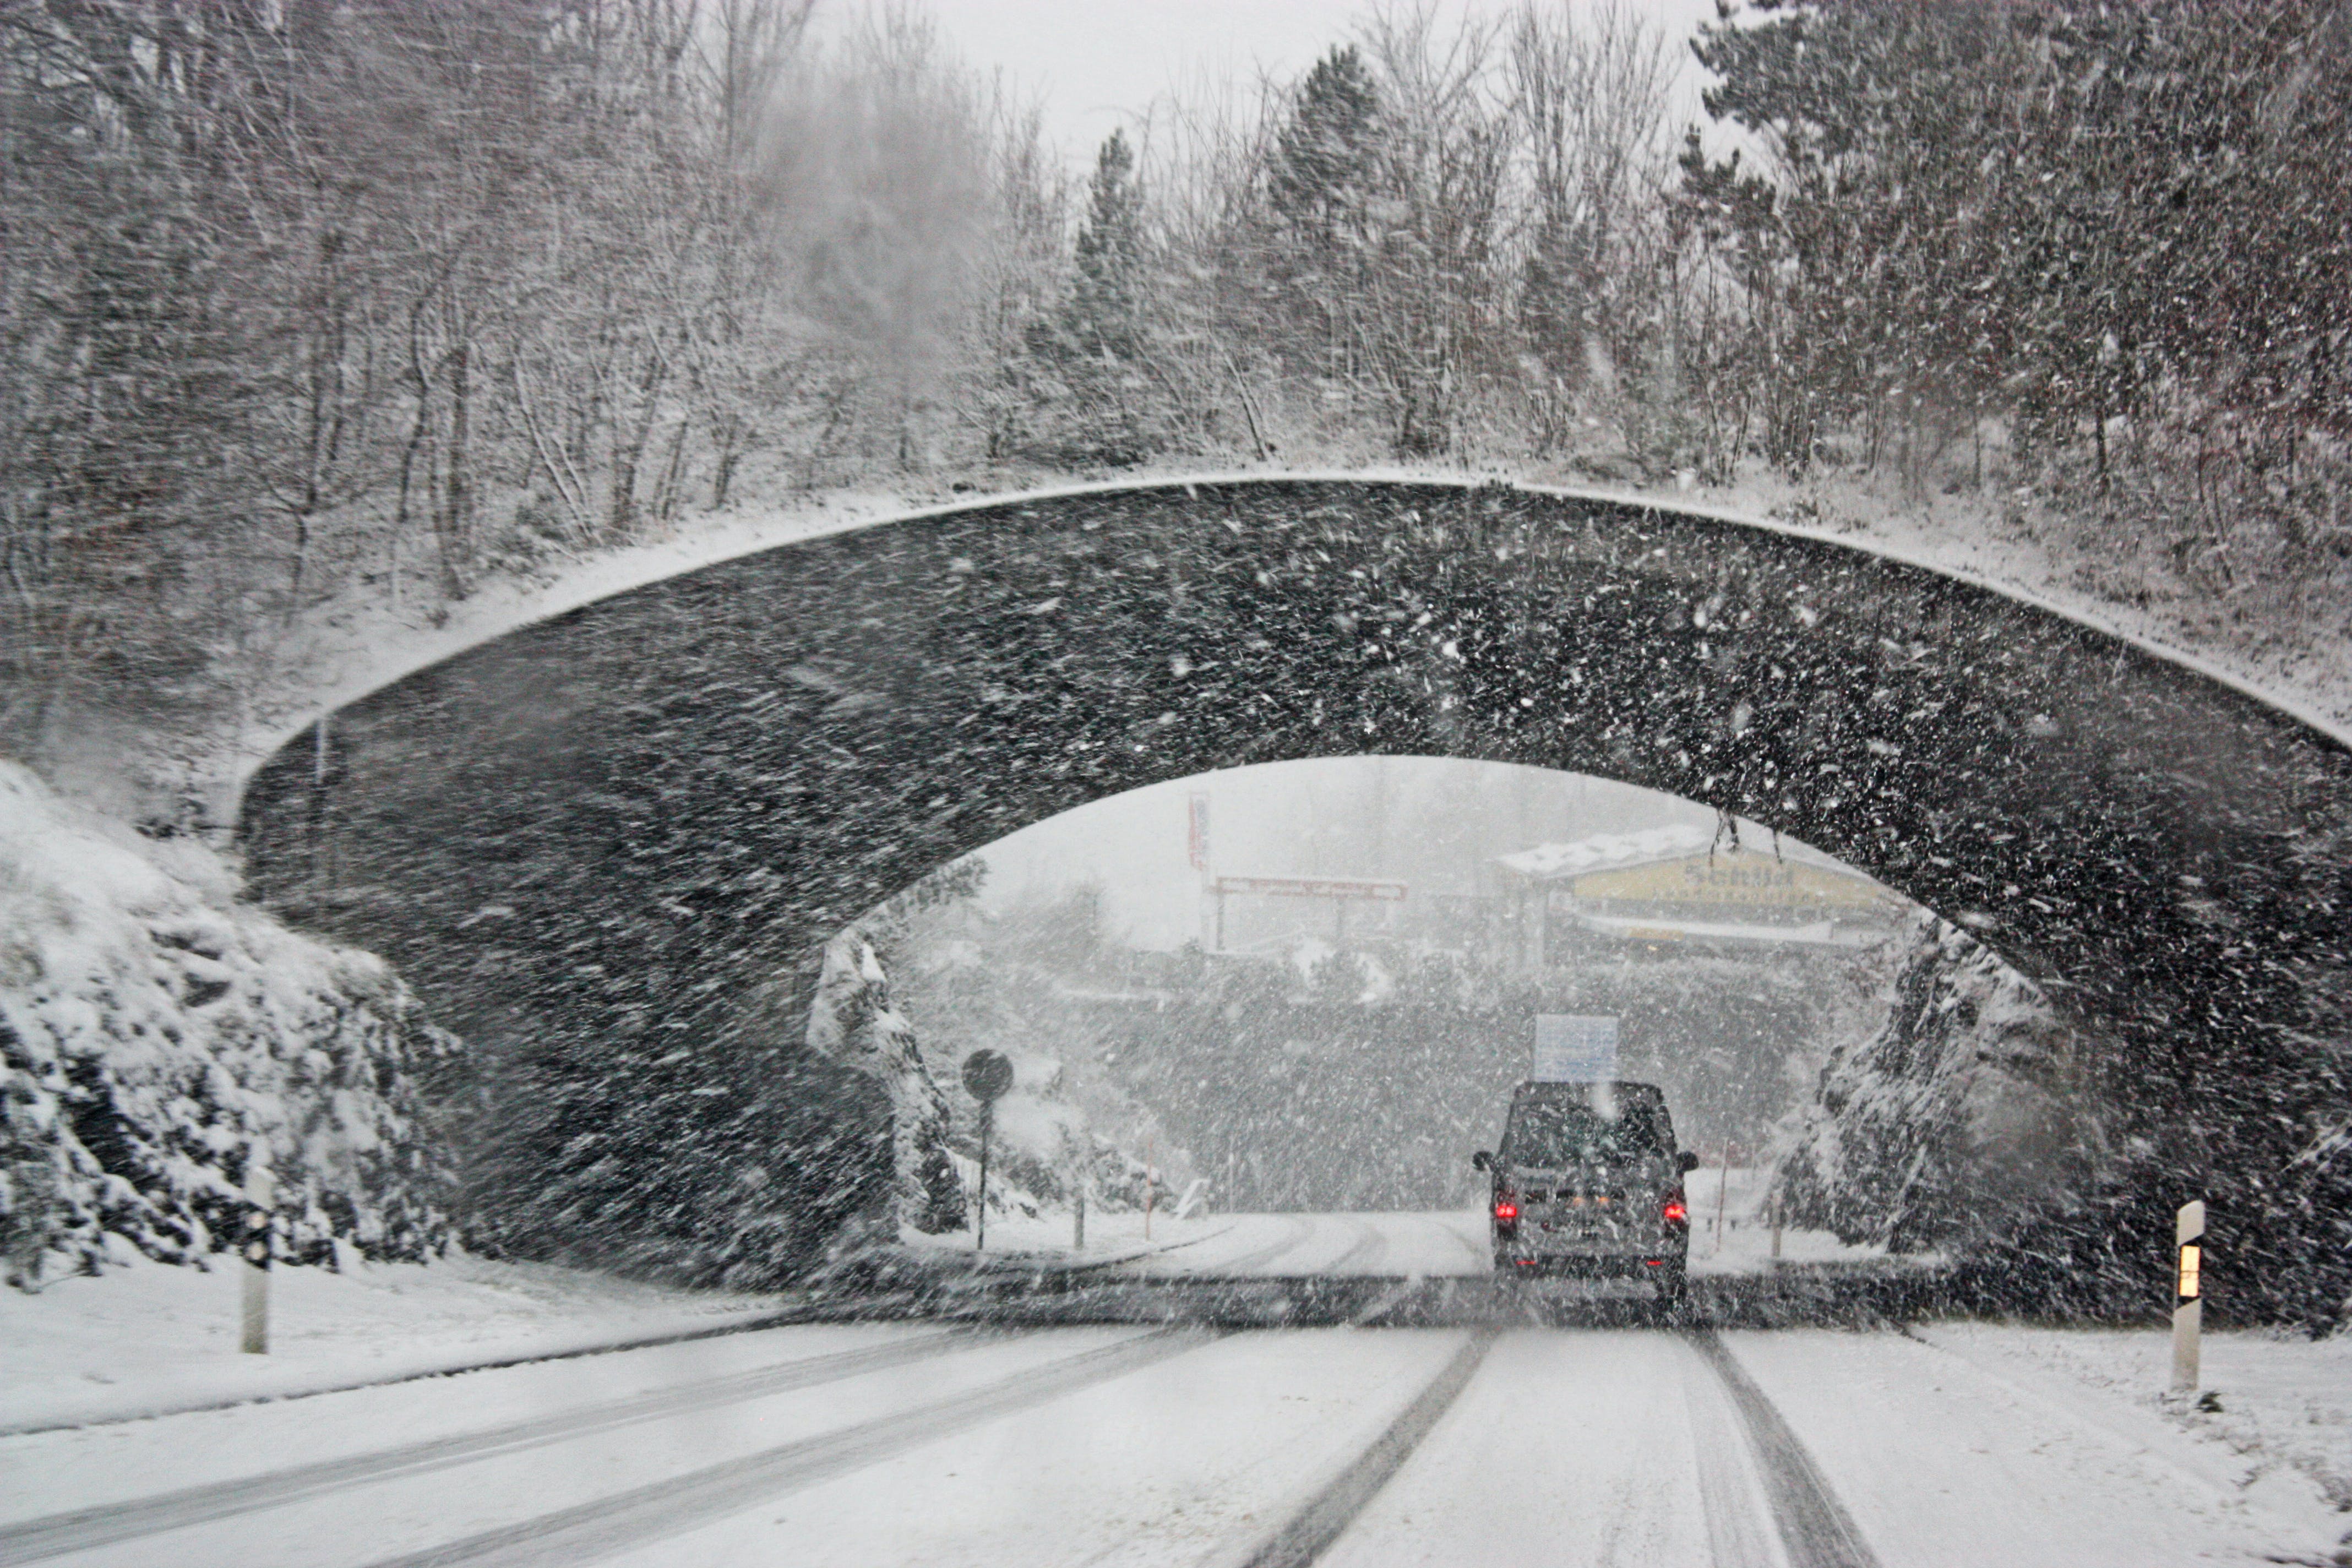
{"type": "Point", "coordinates": [158, 1040]}
{"type": "Point", "coordinates": [1732, 1233]}
{"type": "Point", "coordinates": [151, 1339]}
{"type": "Point", "coordinates": [2280, 1422]}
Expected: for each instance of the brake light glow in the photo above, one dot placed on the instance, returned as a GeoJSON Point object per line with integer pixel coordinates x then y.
{"type": "Point", "coordinates": [1676, 1214]}
{"type": "Point", "coordinates": [1504, 1209]}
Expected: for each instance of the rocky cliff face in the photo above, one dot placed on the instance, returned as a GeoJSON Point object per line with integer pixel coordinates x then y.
{"type": "Point", "coordinates": [159, 1039]}
{"type": "Point", "coordinates": [1958, 1120]}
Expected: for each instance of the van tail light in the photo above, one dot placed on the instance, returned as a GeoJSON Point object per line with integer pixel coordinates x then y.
{"type": "Point", "coordinates": [1677, 1213]}
{"type": "Point", "coordinates": [1506, 1210]}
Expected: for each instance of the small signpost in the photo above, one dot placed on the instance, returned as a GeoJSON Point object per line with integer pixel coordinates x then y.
{"type": "Point", "coordinates": [986, 1076]}
{"type": "Point", "coordinates": [260, 1196]}
{"type": "Point", "coordinates": [2187, 1295]}
{"type": "Point", "coordinates": [1575, 1050]}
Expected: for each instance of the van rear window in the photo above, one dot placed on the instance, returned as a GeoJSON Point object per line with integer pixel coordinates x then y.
{"type": "Point", "coordinates": [1569, 1134]}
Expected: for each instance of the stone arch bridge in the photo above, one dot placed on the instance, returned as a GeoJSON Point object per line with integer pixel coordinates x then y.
{"type": "Point", "coordinates": [606, 846]}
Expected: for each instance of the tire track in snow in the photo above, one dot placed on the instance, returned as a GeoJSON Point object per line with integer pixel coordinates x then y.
{"type": "Point", "coordinates": [1482, 1256]}
{"type": "Point", "coordinates": [1815, 1529]}
{"type": "Point", "coordinates": [54, 1535]}
{"type": "Point", "coordinates": [1298, 1231]}
{"type": "Point", "coordinates": [1309, 1533]}
{"type": "Point", "coordinates": [592, 1530]}
{"type": "Point", "coordinates": [1739, 1527]}
{"type": "Point", "coordinates": [1363, 1253]}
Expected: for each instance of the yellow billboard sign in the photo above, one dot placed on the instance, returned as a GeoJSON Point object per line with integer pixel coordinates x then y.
{"type": "Point", "coordinates": [1733, 880]}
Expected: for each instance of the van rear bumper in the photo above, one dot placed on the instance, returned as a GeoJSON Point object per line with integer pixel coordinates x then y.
{"type": "Point", "coordinates": [1591, 1264]}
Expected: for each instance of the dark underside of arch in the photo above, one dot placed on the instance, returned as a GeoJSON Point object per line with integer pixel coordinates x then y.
{"type": "Point", "coordinates": [606, 846]}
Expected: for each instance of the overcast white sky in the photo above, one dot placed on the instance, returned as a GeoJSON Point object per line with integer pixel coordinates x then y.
{"type": "Point", "coordinates": [1429, 822]}
{"type": "Point", "coordinates": [1097, 65]}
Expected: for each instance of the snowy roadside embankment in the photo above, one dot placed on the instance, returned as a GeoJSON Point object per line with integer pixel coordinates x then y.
{"type": "Point", "coordinates": [159, 1039]}
{"type": "Point", "coordinates": [1732, 1231]}
{"type": "Point", "coordinates": [2276, 1409]}
{"type": "Point", "coordinates": [149, 1339]}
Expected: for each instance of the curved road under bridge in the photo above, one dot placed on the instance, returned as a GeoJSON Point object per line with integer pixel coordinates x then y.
{"type": "Point", "coordinates": [1546, 1431]}
{"type": "Point", "coordinates": [617, 837]}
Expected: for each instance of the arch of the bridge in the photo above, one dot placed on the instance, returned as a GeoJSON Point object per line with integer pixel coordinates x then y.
{"type": "Point", "coordinates": [594, 837]}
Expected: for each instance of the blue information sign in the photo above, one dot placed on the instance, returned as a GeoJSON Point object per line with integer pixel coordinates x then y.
{"type": "Point", "coordinates": [1570, 1048]}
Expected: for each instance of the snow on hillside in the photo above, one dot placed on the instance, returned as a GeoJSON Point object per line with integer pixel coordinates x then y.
{"type": "Point", "coordinates": [161, 1039]}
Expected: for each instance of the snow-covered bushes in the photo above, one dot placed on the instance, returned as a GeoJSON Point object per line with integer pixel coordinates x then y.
{"type": "Point", "coordinates": [1956, 1120]}
{"type": "Point", "coordinates": [158, 1040]}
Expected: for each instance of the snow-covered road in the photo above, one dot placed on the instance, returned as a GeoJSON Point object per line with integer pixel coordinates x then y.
{"type": "Point", "coordinates": [864, 1445]}
{"type": "Point", "coordinates": [1324, 1244]}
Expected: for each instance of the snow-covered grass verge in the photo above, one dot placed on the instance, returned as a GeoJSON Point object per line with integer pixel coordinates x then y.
{"type": "Point", "coordinates": [149, 1338]}
{"type": "Point", "coordinates": [2277, 1425]}
{"type": "Point", "coordinates": [1731, 1232]}
{"type": "Point", "coordinates": [1048, 1237]}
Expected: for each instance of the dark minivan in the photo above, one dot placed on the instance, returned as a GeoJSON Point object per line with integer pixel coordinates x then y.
{"type": "Point", "coordinates": [1589, 1181]}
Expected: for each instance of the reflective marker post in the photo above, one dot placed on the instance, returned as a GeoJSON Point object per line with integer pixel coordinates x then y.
{"type": "Point", "coordinates": [261, 1193]}
{"type": "Point", "coordinates": [2187, 1295]}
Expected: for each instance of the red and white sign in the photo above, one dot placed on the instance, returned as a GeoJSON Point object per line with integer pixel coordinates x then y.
{"type": "Point", "coordinates": [1309, 888]}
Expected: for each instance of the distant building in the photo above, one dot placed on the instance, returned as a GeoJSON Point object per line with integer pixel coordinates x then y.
{"type": "Point", "coordinates": [1678, 889]}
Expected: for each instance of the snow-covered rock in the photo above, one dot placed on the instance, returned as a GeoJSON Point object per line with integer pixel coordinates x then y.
{"type": "Point", "coordinates": [851, 1021]}
{"type": "Point", "coordinates": [1957, 1119]}
{"type": "Point", "coordinates": [159, 1039]}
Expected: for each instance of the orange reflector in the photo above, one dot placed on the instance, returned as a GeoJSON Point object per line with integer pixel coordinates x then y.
{"type": "Point", "coordinates": [2193, 1259]}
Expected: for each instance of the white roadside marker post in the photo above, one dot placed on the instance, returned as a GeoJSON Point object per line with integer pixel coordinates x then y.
{"type": "Point", "coordinates": [1721, 1189]}
{"type": "Point", "coordinates": [2187, 1295]}
{"type": "Point", "coordinates": [260, 1194]}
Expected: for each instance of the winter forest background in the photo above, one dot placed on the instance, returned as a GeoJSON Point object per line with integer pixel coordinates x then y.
{"type": "Point", "coordinates": [315, 312]}
{"type": "Point", "coordinates": [308, 305]}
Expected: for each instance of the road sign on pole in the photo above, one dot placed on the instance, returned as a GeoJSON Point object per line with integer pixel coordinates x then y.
{"type": "Point", "coordinates": [986, 1076]}
{"type": "Point", "coordinates": [2187, 1295]}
